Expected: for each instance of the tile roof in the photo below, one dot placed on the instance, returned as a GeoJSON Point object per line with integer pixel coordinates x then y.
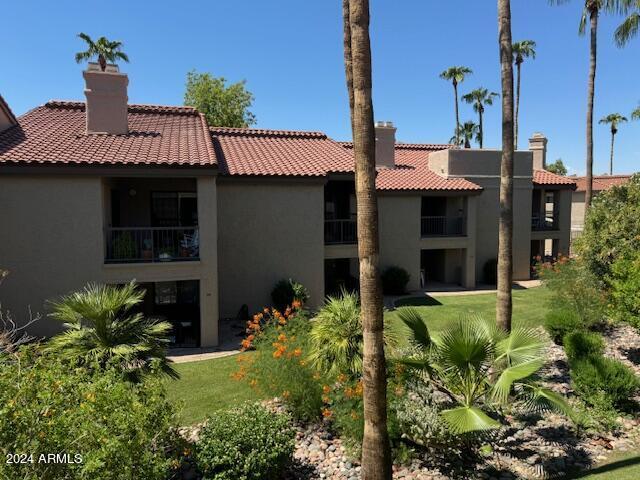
{"type": "Point", "coordinates": [412, 171]}
{"type": "Point", "coordinates": [543, 177]}
{"type": "Point", "coordinates": [248, 151]}
{"type": "Point", "coordinates": [601, 182]}
{"type": "Point", "coordinates": [158, 135]}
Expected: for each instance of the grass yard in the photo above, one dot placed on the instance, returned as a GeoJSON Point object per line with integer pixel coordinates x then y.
{"type": "Point", "coordinates": [529, 307]}
{"type": "Point", "coordinates": [620, 466]}
{"type": "Point", "coordinates": [207, 386]}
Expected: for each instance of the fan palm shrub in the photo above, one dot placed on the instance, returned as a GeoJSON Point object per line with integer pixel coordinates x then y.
{"type": "Point", "coordinates": [336, 336]}
{"type": "Point", "coordinates": [103, 327]}
{"type": "Point", "coordinates": [480, 368]}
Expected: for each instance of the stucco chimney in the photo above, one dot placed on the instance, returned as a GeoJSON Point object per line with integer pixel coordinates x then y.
{"type": "Point", "coordinates": [538, 145]}
{"type": "Point", "coordinates": [385, 144]}
{"type": "Point", "coordinates": [106, 94]}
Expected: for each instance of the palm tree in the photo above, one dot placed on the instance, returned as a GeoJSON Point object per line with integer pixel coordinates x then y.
{"type": "Point", "coordinates": [504, 304]}
{"type": "Point", "coordinates": [479, 98]}
{"type": "Point", "coordinates": [591, 12]}
{"type": "Point", "coordinates": [635, 115]}
{"type": "Point", "coordinates": [521, 50]}
{"type": "Point", "coordinates": [106, 51]}
{"type": "Point", "coordinates": [480, 368]}
{"type": "Point", "coordinates": [629, 28]}
{"type": "Point", "coordinates": [376, 451]}
{"type": "Point", "coordinates": [456, 75]}
{"type": "Point", "coordinates": [101, 326]}
{"type": "Point", "coordinates": [613, 119]}
{"type": "Point", "coordinates": [467, 132]}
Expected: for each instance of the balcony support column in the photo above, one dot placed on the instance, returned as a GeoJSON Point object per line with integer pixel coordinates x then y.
{"type": "Point", "coordinates": [208, 226]}
{"type": "Point", "coordinates": [469, 276]}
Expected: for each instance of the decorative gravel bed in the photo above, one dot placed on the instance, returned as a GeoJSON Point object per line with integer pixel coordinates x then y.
{"type": "Point", "coordinates": [531, 447]}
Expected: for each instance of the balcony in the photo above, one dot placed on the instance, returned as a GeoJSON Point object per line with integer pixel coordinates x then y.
{"type": "Point", "coordinates": [340, 232]}
{"type": "Point", "coordinates": [543, 223]}
{"type": "Point", "coordinates": [442, 226]}
{"type": "Point", "coordinates": [152, 244]}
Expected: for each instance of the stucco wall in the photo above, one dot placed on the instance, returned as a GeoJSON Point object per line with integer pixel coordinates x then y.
{"type": "Point", "coordinates": [50, 240]}
{"type": "Point", "coordinates": [268, 231]}
{"type": "Point", "coordinates": [577, 210]}
{"type": "Point", "coordinates": [483, 168]}
{"type": "Point", "coordinates": [399, 227]}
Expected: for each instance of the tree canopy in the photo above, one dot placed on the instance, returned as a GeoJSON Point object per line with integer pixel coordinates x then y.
{"type": "Point", "coordinates": [223, 105]}
{"type": "Point", "coordinates": [104, 49]}
{"type": "Point", "coordinates": [558, 167]}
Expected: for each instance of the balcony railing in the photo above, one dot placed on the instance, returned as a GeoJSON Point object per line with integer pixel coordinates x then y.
{"type": "Point", "coordinates": [540, 224]}
{"type": "Point", "coordinates": [442, 226]}
{"type": "Point", "coordinates": [152, 244]}
{"type": "Point", "coordinates": [339, 232]}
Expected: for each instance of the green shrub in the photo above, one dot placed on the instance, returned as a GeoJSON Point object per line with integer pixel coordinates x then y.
{"type": "Point", "coordinates": [286, 291]}
{"type": "Point", "coordinates": [395, 280]}
{"type": "Point", "coordinates": [118, 429]}
{"type": "Point", "coordinates": [611, 229]}
{"type": "Point", "coordinates": [279, 367]}
{"type": "Point", "coordinates": [580, 344]}
{"type": "Point", "coordinates": [245, 443]}
{"type": "Point", "coordinates": [625, 289]}
{"type": "Point", "coordinates": [490, 272]}
{"type": "Point", "coordinates": [561, 322]}
{"type": "Point", "coordinates": [574, 287]}
{"type": "Point", "coordinates": [598, 379]}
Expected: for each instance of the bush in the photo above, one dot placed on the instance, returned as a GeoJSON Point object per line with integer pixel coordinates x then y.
{"type": "Point", "coordinates": [279, 367]}
{"type": "Point", "coordinates": [245, 443]}
{"type": "Point", "coordinates": [625, 289]}
{"type": "Point", "coordinates": [596, 378]}
{"type": "Point", "coordinates": [574, 287]}
{"type": "Point", "coordinates": [490, 271]}
{"type": "Point", "coordinates": [579, 344]}
{"type": "Point", "coordinates": [117, 429]}
{"type": "Point", "coordinates": [395, 280]}
{"type": "Point", "coordinates": [561, 322]}
{"type": "Point", "coordinates": [286, 291]}
{"type": "Point", "coordinates": [612, 228]}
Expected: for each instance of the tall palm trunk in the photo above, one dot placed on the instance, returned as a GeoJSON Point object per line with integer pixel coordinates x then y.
{"type": "Point", "coordinates": [613, 138]}
{"type": "Point", "coordinates": [593, 16]}
{"type": "Point", "coordinates": [455, 94]}
{"type": "Point", "coordinates": [376, 454]}
{"type": "Point", "coordinates": [504, 304]}
{"type": "Point", "coordinates": [480, 130]}
{"type": "Point", "coordinates": [515, 118]}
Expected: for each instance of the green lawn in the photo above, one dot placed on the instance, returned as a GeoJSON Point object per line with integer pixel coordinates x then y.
{"type": "Point", "coordinates": [620, 466]}
{"type": "Point", "coordinates": [207, 386]}
{"type": "Point", "coordinates": [529, 307]}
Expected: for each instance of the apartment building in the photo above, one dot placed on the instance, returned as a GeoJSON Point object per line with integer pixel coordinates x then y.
{"type": "Point", "coordinates": [208, 219]}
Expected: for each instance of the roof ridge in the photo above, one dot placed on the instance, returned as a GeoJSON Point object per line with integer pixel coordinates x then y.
{"type": "Point", "coordinates": [408, 146]}
{"type": "Point", "coordinates": [132, 107]}
{"type": "Point", "coordinates": [263, 132]}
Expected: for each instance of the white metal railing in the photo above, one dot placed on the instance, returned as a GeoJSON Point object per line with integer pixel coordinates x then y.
{"type": "Point", "coordinates": [442, 226]}
{"type": "Point", "coordinates": [340, 232]}
{"type": "Point", "coordinates": [151, 244]}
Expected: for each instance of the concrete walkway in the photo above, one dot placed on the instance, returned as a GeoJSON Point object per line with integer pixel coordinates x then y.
{"type": "Point", "coordinates": [185, 355]}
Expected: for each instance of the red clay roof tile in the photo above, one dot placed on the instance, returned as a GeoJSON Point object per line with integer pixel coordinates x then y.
{"type": "Point", "coordinates": [158, 135]}
{"type": "Point", "coordinates": [543, 177]}
{"type": "Point", "coordinates": [601, 182]}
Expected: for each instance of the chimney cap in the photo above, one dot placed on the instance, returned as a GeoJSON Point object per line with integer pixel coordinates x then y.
{"type": "Point", "coordinates": [95, 67]}
{"type": "Point", "coordinates": [384, 124]}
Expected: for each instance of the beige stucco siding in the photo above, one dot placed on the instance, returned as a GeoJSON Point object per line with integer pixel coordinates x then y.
{"type": "Point", "coordinates": [399, 227]}
{"type": "Point", "coordinates": [51, 241]}
{"type": "Point", "coordinates": [268, 231]}
{"type": "Point", "coordinates": [577, 210]}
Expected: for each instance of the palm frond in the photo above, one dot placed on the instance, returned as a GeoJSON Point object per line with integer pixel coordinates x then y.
{"type": "Point", "coordinates": [503, 386]}
{"type": "Point", "coordinates": [520, 346]}
{"type": "Point", "coordinates": [417, 331]}
{"type": "Point", "coordinates": [542, 399]}
{"type": "Point", "coordinates": [468, 419]}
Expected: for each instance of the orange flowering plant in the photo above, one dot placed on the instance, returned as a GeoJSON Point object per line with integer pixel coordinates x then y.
{"type": "Point", "coordinates": [280, 367]}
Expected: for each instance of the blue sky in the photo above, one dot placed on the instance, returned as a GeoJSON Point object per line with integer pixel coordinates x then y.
{"type": "Point", "coordinates": [290, 53]}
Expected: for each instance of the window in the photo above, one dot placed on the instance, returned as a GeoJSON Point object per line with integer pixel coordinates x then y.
{"type": "Point", "coordinates": [166, 293]}
{"type": "Point", "coordinates": [173, 209]}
